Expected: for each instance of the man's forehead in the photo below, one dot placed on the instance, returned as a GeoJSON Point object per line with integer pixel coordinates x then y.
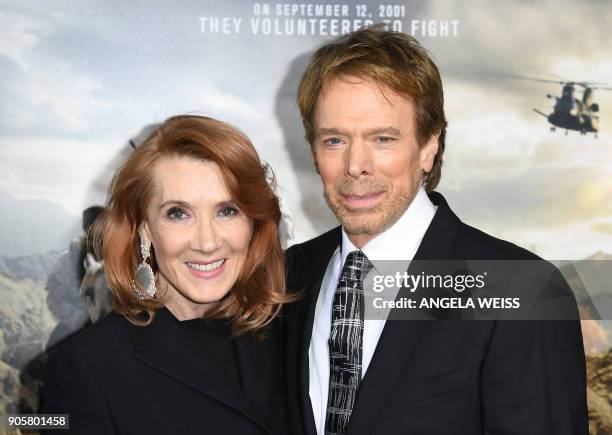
{"type": "Point", "coordinates": [349, 83]}
{"type": "Point", "coordinates": [361, 105]}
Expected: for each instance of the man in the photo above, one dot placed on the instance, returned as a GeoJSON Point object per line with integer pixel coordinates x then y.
{"type": "Point", "coordinates": [372, 107]}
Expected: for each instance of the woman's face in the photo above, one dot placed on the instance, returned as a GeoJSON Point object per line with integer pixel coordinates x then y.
{"type": "Point", "coordinates": [199, 236]}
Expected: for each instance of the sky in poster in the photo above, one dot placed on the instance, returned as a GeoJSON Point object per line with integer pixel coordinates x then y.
{"type": "Point", "coordinates": [81, 78]}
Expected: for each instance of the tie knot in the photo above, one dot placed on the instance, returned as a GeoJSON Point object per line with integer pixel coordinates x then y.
{"type": "Point", "coordinates": [357, 265]}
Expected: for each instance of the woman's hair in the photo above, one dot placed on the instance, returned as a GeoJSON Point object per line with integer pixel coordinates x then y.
{"type": "Point", "coordinates": [259, 291]}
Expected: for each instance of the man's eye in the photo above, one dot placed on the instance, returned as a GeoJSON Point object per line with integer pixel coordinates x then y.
{"type": "Point", "coordinates": [332, 141]}
{"type": "Point", "coordinates": [177, 213]}
{"type": "Point", "coordinates": [228, 211]}
{"type": "Point", "coordinates": [385, 139]}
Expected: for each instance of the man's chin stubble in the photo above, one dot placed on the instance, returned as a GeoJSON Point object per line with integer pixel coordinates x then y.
{"type": "Point", "coordinates": [378, 224]}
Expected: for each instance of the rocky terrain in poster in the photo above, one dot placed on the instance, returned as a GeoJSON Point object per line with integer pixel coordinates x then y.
{"type": "Point", "coordinates": [599, 393]}
{"type": "Point", "coordinates": [40, 297]}
{"type": "Point", "coordinates": [25, 325]}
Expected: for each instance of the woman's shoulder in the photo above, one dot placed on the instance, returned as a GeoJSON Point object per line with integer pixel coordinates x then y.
{"type": "Point", "coordinates": [107, 336]}
{"type": "Point", "coordinates": [83, 371]}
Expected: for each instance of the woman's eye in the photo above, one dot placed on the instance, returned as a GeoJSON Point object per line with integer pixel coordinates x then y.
{"type": "Point", "coordinates": [177, 213]}
{"type": "Point", "coordinates": [228, 211]}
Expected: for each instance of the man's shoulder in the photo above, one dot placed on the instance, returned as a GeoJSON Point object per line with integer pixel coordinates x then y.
{"type": "Point", "coordinates": [472, 243]}
{"type": "Point", "coordinates": [519, 273]}
{"type": "Point", "coordinates": [451, 236]}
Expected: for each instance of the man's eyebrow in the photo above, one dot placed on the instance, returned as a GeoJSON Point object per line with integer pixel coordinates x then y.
{"type": "Point", "coordinates": [384, 130]}
{"type": "Point", "coordinates": [371, 132]}
{"type": "Point", "coordinates": [325, 130]}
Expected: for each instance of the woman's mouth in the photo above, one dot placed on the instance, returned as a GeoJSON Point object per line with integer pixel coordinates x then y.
{"type": "Point", "coordinates": [207, 267]}
{"type": "Point", "coordinates": [206, 270]}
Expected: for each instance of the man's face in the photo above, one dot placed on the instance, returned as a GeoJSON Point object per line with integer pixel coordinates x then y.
{"type": "Point", "coordinates": [366, 152]}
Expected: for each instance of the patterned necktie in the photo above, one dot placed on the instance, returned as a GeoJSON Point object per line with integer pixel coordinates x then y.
{"type": "Point", "coordinates": [346, 343]}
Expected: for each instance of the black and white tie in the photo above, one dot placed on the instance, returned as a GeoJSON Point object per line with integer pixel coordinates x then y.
{"type": "Point", "coordinates": [346, 343]}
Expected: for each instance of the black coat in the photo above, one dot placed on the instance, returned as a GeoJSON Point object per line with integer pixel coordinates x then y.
{"type": "Point", "coordinates": [117, 378]}
{"type": "Point", "coordinates": [446, 377]}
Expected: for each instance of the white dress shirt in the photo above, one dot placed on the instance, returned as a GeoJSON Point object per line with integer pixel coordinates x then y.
{"type": "Point", "coordinates": [399, 243]}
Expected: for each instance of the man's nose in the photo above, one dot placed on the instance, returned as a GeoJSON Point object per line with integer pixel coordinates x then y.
{"type": "Point", "coordinates": [358, 159]}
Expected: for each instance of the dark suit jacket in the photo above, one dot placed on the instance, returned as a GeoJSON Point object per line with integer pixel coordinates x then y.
{"type": "Point", "coordinates": [446, 377]}
{"type": "Point", "coordinates": [117, 378]}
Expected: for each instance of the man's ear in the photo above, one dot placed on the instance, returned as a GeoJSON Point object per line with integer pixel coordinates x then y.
{"type": "Point", "coordinates": [427, 153]}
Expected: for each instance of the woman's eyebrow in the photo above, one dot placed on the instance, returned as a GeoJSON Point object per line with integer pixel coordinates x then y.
{"type": "Point", "coordinates": [178, 202]}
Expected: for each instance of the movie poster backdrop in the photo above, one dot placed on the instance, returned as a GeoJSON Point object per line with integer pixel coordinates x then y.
{"type": "Point", "coordinates": [83, 83]}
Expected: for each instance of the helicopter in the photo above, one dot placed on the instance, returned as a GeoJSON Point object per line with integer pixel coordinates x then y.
{"type": "Point", "coordinates": [570, 112]}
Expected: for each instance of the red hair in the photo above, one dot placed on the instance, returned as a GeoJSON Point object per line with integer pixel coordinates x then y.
{"type": "Point", "coordinates": [257, 295]}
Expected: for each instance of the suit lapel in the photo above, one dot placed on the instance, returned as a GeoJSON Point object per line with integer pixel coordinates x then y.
{"type": "Point", "coordinates": [398, 338]}
{"type": "Point", "coordinates": [167, 347]}
{"type": "Point", "coordinates": [317, 265]}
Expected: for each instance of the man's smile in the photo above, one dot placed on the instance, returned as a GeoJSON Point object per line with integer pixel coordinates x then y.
{"type": "Point", "coordinates": [362, 201]}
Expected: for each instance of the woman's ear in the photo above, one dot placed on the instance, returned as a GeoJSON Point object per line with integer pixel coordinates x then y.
{"type": "Point", "coordinates": [144, 232]}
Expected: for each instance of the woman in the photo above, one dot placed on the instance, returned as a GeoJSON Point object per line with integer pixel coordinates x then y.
{"type": "Point", "coordinates": [192, 254]}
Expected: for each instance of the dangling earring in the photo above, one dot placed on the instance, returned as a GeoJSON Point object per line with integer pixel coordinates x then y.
{"type": "Point", "coordinates": [144, 284]}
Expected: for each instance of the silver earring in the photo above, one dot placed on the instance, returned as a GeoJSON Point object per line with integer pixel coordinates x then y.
{"type": "Point", "coordinates": [144, 283]}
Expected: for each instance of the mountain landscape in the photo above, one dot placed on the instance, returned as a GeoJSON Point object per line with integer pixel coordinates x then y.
{"type": "Point", "coordinates": [32, 226]}
{"type": "Point", "coordinates": [599, 393]}
{"type": "Point", "coordinates": [26, 324]}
